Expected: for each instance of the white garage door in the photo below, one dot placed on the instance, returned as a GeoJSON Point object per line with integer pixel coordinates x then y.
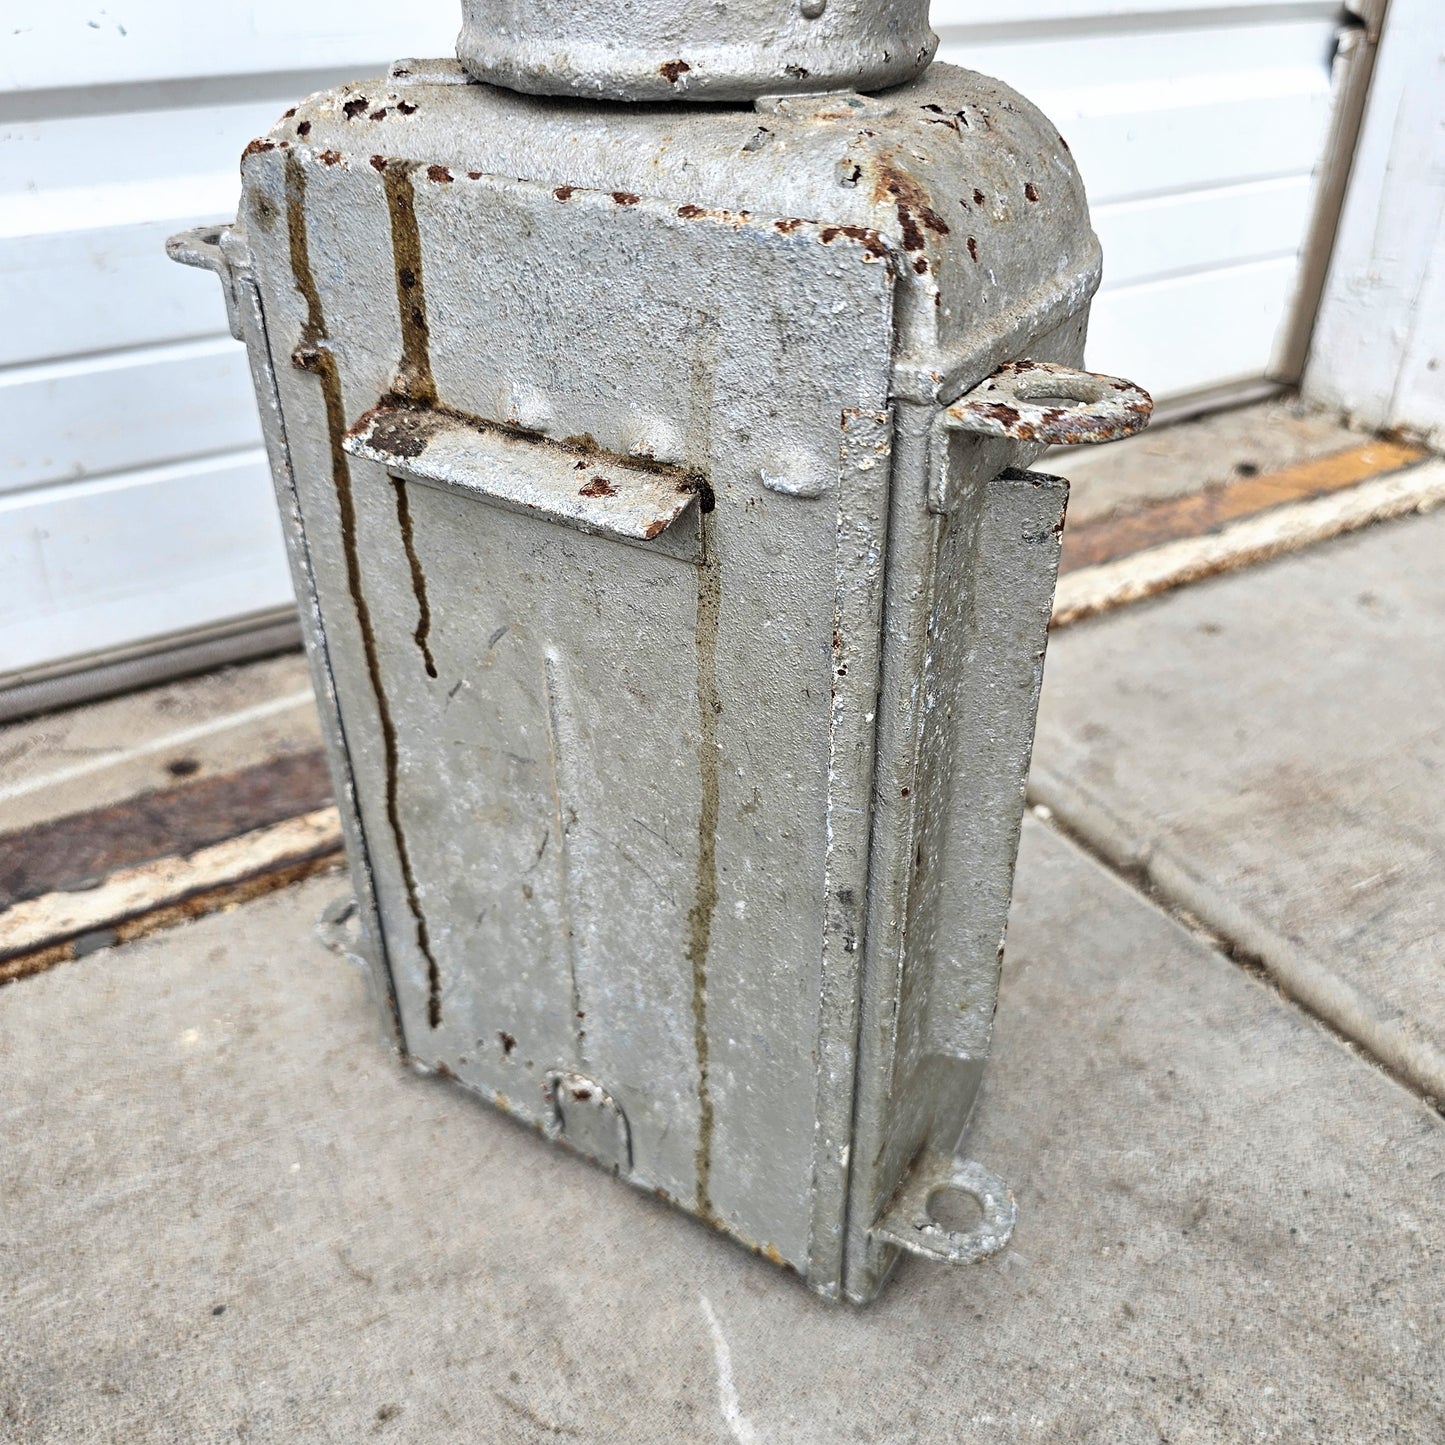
{"type": "Point", "coordinates": [135, 510]}
{"type": "Point", "coordinates": [1197, 128]}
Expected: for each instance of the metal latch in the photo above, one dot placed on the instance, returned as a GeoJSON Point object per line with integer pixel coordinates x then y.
{"type": "Point", "coordinates": [1038, 401]}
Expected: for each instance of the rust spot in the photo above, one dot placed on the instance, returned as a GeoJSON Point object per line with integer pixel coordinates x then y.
{"type": "Point", "coordinates": [690, 213]}
{"type": "Point", "coordinates": [788, 225]}
{"type": "Point", "coordinates": [915, 214]}
{"type": "Point", "coordinates": [581, 1095]}
{"type": "Point", "coordinates": [443, 1070]}
{"type": "Point", "coordinates": [508, 1042]}
{"type": "Point", "coordinates": [330, 158]}
{"type": "Point", "coordinates": [870, 240]}
{"type": "Point", "coordinates": [438, 173]}
{"type": "Point", "coordinates": [378, 163]}
{"type": "Point", "coordinates": [1031, 191]}
{"type": "Point", "coordinates": [406, 107]}
{"type": "Point", "coordinates": [973, 248]}
{"type": "Point", "coordinates": [256, 148]}
{"type": "Point", "coordinates": [1000, 411]}
{"type": "Point", "coordinates": [655, 529]}
{"type": "Point", "coordinates": [379, 114]}
{"type": "Point", "coordinates": [564, 193]}
{"type": "Point", "coordinates": [355, 107]}
{"type": "Point", "coordinates": [287, 114]}
{"type": "Point", "coordinates": [673, 70]}
{"type": "Point", "coordinates": [597, 487]}
{"type": "Point", "coordinates": [798, 72]}
{"type": "Point", "coordinates": [474, 175]}
{"type": "Point", "coordinates": [921, 264]}
{"type": "Point", "coordinates": [625, 198]}
{"type": "Point", "coordinates": [303, 128]}
{"type": "Point", "coordinates": [1065, 144]}
{"type": "Point", "coordinates": [979, 198]}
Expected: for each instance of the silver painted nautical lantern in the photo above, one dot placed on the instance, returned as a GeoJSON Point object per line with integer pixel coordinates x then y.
{"type": "Point", "coordinates": [675, 601]}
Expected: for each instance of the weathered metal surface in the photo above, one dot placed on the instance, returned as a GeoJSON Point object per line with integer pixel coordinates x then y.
{"type": "Point", "coordinates": [659, 785]}
{"type": "Point", "coordinates": [1035, 401]}
{"type": "Point", "coordinates": [694, 49]}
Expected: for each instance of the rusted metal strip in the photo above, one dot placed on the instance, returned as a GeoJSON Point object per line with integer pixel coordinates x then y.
{"type": "Point", "coordinates": [1280, 530]}
{"type": "Point", "coordinates": [211, 900]}
{"type": "Point", "coordinates": [1091, 543]}
{"type": "Point", "coordinates": [40, 932]}
{"type": "Point", "coordinates": [85, 847]}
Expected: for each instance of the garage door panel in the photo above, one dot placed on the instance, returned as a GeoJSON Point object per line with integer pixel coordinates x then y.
{"type": "Point", "coordinates": [66, 43]}
{"type": "Point", "coordinates": [101, 564]}
{"type": "Point", "coordinates": [1188, 333]}
{"type": "Point", "coordinates": [106, 288]}
{"type": "Point", "coordinates": [75, 153]}
{"type": "Point", "coordinates": [1176, 111]}
{"type": "Point", "coordinates": [985, 15]}
{"type": "Point", "coordinates": [1144, 57]}
{"type": "Point", "coordinates": [97, 415]}
{"type": "Point", "coordinates": [1163, 236]}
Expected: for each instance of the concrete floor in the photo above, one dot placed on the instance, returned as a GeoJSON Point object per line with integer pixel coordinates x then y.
{"type": "Point", "coordinates": [228, 1216]}
{"type": "Point", "coordinates": [231, 1217]}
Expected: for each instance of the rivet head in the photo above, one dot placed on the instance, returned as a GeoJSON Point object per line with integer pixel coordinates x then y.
{"type": "Point", "coordinates": [812, 9]}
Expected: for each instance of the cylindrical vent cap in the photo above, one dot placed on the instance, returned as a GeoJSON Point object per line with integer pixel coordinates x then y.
{"type": "Point", "coordinates": [653, 50]}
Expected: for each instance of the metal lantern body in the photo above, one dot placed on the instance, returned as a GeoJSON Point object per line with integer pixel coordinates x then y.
{"type": "Point", "coordinates": [676, 608]}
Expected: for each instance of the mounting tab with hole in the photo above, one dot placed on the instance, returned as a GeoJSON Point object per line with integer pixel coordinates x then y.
{"type": "Point", "coordinates": [1039, 401]}
{"type": "Point", "coordinates": [909, 1222]}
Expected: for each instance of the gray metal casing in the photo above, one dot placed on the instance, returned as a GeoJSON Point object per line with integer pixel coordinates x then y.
{"type": "Point", "coordinates": [682, 832]}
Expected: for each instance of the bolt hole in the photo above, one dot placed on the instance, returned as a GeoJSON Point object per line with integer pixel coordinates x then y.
{"type": "Point", "coordinates": [1058, 390]}
{"type": "Point", "coordinates": [955, 1210]}
{"type": "Point", "coordinates": [1051, 400]}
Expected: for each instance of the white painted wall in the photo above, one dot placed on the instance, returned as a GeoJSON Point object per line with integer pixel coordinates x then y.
{"type": "Point", "coordinates": [134, 501]}
{"type": "Point", "coordinates": [1379, 343]}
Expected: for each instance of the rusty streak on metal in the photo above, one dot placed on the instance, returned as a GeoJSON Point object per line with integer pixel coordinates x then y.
{"type": "Point", "coordinates": [414, 375]}
{"type": "Point", "coordinates": [313, 339]}
{"type": "Point", "coordinates": [421, 636]}
{"type": "Point", "coordinates": [707, 623]}
{"type": "Point", "coordinates": [912, 202]}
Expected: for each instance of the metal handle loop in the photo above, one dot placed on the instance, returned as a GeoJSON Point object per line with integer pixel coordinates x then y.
{"type": "Point", "coordinates": [1038, 401]}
